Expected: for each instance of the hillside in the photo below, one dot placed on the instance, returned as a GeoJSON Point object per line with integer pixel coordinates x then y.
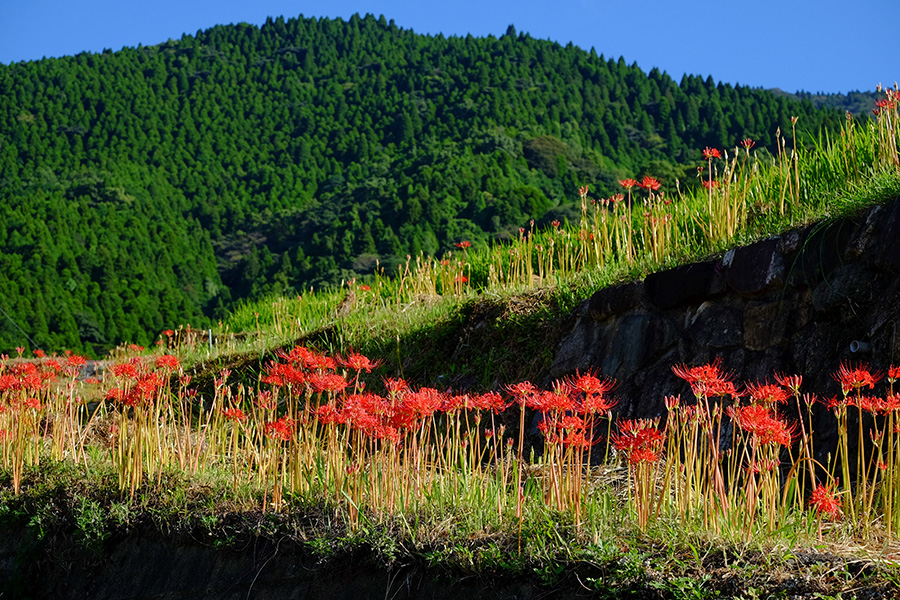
{"type": "Point", "coordinates": [158, 185]}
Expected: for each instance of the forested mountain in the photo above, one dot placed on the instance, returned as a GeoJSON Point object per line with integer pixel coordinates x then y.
{"type": "Point", "coordinates": [154, 186]}
{"type": "Point", "coordinates": [856, 103]}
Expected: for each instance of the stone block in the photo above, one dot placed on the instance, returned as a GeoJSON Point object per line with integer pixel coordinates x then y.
{"type": "Point", "coordinates": [716, 326]}
{"type": "Point", "coordinates": [765, 324]}
{"type": "Point", "coordinates": [633, 341]}
{"type": "Point", "coordinates": [887, 246]}
{"type": "Point", "coordinates": [687, 284]}
{"type": "Point", "coordinates": [756, 268]}
{"type": "Point", "coordinates": [848, 285]}
{"type": "Point", "coordinates": [615, 300]}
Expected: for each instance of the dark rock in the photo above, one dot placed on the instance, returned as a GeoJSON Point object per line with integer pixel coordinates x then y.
{"type": "Point", "coordinates": [845, 287]}
{"type": "Point", "coordinates": [684, 285]}
{"type": "Point", "coordinates": [821, 251]}
{"type": "Point", "coordinates": [865, 235]}
{"type": "Point", "coordinates": [816, 345]}
{"type": "Point", "coordinates": [886, 253]}
{"type": "Point", "coordinates": [789, 243]}
{"type": "Point", "coordinates": [633, 341]}
{"type": "Point", "coordinates": [615, 300]}
{"type": "Point", "coordinates": [765, 324]}
{"type": "Point", "coordinates": [717, 326]}
{"type": "Point", "coordinates": [577, 348]}
{"type": "Point", "coordinates": [756, 268]}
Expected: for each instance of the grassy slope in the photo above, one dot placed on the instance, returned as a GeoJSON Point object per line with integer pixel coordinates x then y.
{"type": "Point", "coordinates": [494, 337]}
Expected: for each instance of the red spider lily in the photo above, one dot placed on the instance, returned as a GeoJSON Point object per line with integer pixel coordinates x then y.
{"type": "Point", "coordinates": [403, 419]}
{"type": "Point", "coordinates": [364, 288]}
{"type": "Point", "coordinates": [454, 402]}
{"type": "Point", "coordinates": [643, 454]}
{"type": "Point", "coordinates": [747, 143]}
{"type": "Point", "coordinates": [234, 414]}
{"type": "Point", "coordinates": [76, 361]}
{"type": "Point", "coordinates": [281, 429]}
{"type": "Point", "coordinates": [326, 382]}
{"type": "Point", "coordinates": [545, 401]}
{"type": "Point", "coordinates": [706, 380]}
{"type": "Point", "coordinates": [117, 395]}
{"type": "Point", "coordinates": [395, 386]}
{"type": "Point", "coordinates": [893, 373]}
{"type": "Point", "coordinates": [627, 183]}
{"type": "Point", "coordinates": [590, 384]}
{"type": "Point", "coordinates": [869, 404]}
{"type": "Point", "coordinates": [578, 439]}
{"type": "Point", "coordinates": [147, 385]}
{"type": "Point", "coordinates": [757, 420]}
{"type": "Point", "coordinates": [265, 400]}
{"type": "Point", "coordinates": [826, 502]}
{"type": "Point", "coordinates": [387, 432]}
{"type": "Point", "coordinates": [672, 402]}
{"type": "Point", "coordinates": [711, 153]}
{"type": "Point", "coordinates": [25, 369]}
{"type": "Point", "coordinates": [143, 390]}
{"type": "Point", "coordinates": [597, 405]}
{"type": "Point", "coordinates": [571, 422]}
{"type": "Point", "coordinates": [39, 353]}
{"type": "Point", "coordinates": [167, 362]}
{"type": "Point", "coordinates": [461, 279]}
{"type": "Point", "coordinates": [834, 403]}
{"type": "Point", "coordinates": [358, 362]}
{"type": "Point", "coordinates": [224, 374]}
{"type": "Point", "coordinates": [328, 414]}
{"type": "Point", "coordinates": [640, 440]}
{"type": "Point", "coordinates": [563, 387]}
{"type": "Point", "coordinates": [281, 374]}
{"type": "Point", "coordinates": [649, 183]}
{"type": "Point", "coordinates": [710, 184]}
{"type": "Point", "coordinates": [464, 244]}
{"type": "Point", "coordinates": [125, 370]}
{"type": "Point", "coordinates": [320, 362]}
{"type": "Point", "coordinates": [521, 390]}
{"type": "Point", "coordinates": [32, 382]}
{"type": "Point", "coordinates": [555, 223]}
{"type": "Point", "coordinates": [491, 401]}
{"type": "Point", "coordinates": [891, 403]}
{"type": "Point", "coordinates": [767, 393]}
{"type": "Point", "coordinates": [855, 378]}
{"type": "Point", "coordinates": [791, 382]}
{"type": "Point", "coordinates": [424, 402]}
{"type": "Point", "coordinates": [300, 355]}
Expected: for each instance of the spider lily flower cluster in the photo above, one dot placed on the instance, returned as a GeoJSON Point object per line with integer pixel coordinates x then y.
{"type": "Point", "coordinates": [738, 457]}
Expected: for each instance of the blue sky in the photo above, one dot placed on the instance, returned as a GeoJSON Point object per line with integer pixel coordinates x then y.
{"type": "Point", "coordinates": [823, 45]}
